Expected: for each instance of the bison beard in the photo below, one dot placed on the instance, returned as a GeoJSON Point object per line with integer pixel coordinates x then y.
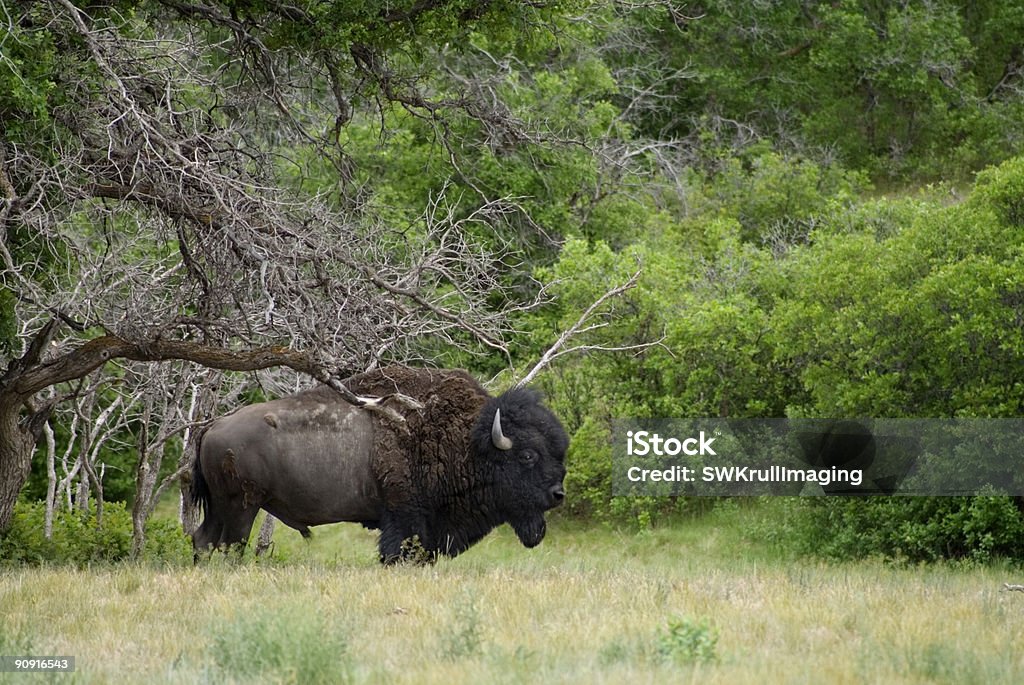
{"type": "Point", "coordinates": [434, 484]}
{"type": "Point", "coordinates": [530, 531]}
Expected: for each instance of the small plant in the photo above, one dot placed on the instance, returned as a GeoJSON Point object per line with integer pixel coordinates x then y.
{"type": "Point", "coordinates": [413, 552]}
{"type": "Point", "coordinates": [687, 641]}
{"type": "Point", "coordinates": [617, 651]}
{"type": "Point", "coordinates": [683, 641]}
{"type": "Point", "coordinates": [284, 645]}
{"type": "Point", "coordinates": [464, 638]}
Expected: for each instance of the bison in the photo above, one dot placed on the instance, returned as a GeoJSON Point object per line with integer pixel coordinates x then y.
{"type": "Point", "coordinates": [459, 464]}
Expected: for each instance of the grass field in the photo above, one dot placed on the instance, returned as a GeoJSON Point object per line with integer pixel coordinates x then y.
{"type": "Point", "coordinates": [701, 602]}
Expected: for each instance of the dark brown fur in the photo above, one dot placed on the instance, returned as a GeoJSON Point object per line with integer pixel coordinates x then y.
{"type": "Point", "coordinates": [432, 454]}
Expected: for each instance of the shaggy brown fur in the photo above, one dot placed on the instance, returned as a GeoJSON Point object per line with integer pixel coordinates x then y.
{"type": "Point", "coordinates": [431, 458]}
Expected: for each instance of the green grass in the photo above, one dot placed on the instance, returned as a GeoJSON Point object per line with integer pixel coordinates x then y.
{"type": "Point", "coordinates": [707, 600]}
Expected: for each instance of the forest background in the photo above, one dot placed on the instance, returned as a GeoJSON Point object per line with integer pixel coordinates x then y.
{"type": "Point", "coordinates": [205, 204]}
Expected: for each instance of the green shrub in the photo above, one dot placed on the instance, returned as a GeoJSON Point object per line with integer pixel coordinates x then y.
{"type": "Point", "coordinates": [286, 644]}
{"type": "Point", "coordinates": [78, 539]}
{"type": "Point", "coordinates": [682, 641]}
{"type": "Point", "coordinates": [166, 542]}
{"type": "Point", "coordinates": [687, 641]}
{"type": "Point", "coordinates": [1001, 188]}
{"type": "Point", "coordinates": [464, 636]}
{"type": "Point", "coordinates": [912, 528]}
{"type": "Point", "coordinates": [769, 193]}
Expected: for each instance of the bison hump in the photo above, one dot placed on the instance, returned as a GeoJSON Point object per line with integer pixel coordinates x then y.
{"type": "Point", "coordinates": [430, 458]}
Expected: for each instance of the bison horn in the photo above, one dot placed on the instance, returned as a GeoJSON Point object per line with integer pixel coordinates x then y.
{"type": "Point", "coordinates": [497, 437]}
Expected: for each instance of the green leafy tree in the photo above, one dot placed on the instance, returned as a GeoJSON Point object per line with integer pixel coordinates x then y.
{"type": "Point", "coordinates": [897, 89]}
{"type": "Point", "coordinates": [179, 182]}
{"type": "Point", "coordinates": [922, 322]}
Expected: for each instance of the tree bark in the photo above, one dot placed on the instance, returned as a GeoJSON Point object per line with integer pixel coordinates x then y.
{"type": "Point", "coordinates": [266, 535]}
{"type": "Point", "coordinates": [202, 403]}
{"type": "Point", "coordinates": [20, 425]}
{"type": "Point", "coordinates": [51, 480]}
{"type": "Point", "coordinates": [16, 445]}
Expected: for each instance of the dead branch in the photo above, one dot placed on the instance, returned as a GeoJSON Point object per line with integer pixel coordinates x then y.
{"type": "Point", "coordinates": [582, 325]}
{"type": "Point", "coordinates": [266, 534]}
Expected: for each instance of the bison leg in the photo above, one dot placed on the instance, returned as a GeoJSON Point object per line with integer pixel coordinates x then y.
{"type": "Point", "coordinates": [209, 534]}
{"type": "Point", "coordinates": [206, 536]}
{"type": "Point", "coordinates": [237, 527]}
{"type": "Point", "coordinates": [404, 539]}
{"type": "Point", "coordinates": [227, 524]}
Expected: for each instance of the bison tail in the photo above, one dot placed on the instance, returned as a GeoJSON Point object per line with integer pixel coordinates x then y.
{"type": "Point", "coordinates": [200, 488]}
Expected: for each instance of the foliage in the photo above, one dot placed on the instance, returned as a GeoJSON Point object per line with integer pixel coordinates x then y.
{"type": "Point", "coordinates": [687, 641]}
{"type": "Point", "coordinates": [282, 644]}
{"type": "Point", "coordinates": [887, 308]}
{"type": "Point", "coordinates": [776, 197]}
{"type": "Point", "coordinates": [921, 323]}
{"type": "Point", "coordinates": [166, 542]}
{"type": "Point", "coordinates": [897, 89]}
{"type": "Point", "coordinates": [79, 540]}
{"type": "Point", "coordinates": [464, 638]}
{"type": "Point", "coordinates": [981, 529]}
{"type": "Point", "coordinates": [8, 324]}
{"type": "Point", "coordinates": [27, 82]}
{"type": "Point", "coordinates": [682, 641]}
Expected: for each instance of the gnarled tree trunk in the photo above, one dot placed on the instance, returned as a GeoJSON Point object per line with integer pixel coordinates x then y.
{"type": "Point", "coordinates": [16, 445]}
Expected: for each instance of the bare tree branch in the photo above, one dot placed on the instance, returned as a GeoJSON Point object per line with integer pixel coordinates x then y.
{"type": "Point", "coordinates": [581, 326]}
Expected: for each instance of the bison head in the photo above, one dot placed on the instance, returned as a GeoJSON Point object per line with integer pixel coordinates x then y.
{"type": "Point", "coordinates": [523, 446]}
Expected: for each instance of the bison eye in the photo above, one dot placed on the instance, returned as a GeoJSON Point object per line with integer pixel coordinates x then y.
{"type": "Point", "coordinates": [528, 456]}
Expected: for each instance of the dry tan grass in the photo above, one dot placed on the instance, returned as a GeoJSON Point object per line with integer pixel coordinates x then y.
{"type": "Point", "coordinates": [587, 607]}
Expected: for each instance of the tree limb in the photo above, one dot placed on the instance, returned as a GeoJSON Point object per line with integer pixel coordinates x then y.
{"type": "Point", "coordinates": [553, 352]}
{"type": "Point", "coordinates": [91, 355]}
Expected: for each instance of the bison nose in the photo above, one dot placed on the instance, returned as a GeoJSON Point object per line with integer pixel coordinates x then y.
{"type": "Point", "coordinates": [557, 495]}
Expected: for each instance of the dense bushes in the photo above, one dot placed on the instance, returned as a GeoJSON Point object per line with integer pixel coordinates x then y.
{"type": "Point", "coordinates": [78, 538]}
{"type": "Point", "coordinates": [912, 529]}
{"type": "Point", "coordinates": [882, 308]}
